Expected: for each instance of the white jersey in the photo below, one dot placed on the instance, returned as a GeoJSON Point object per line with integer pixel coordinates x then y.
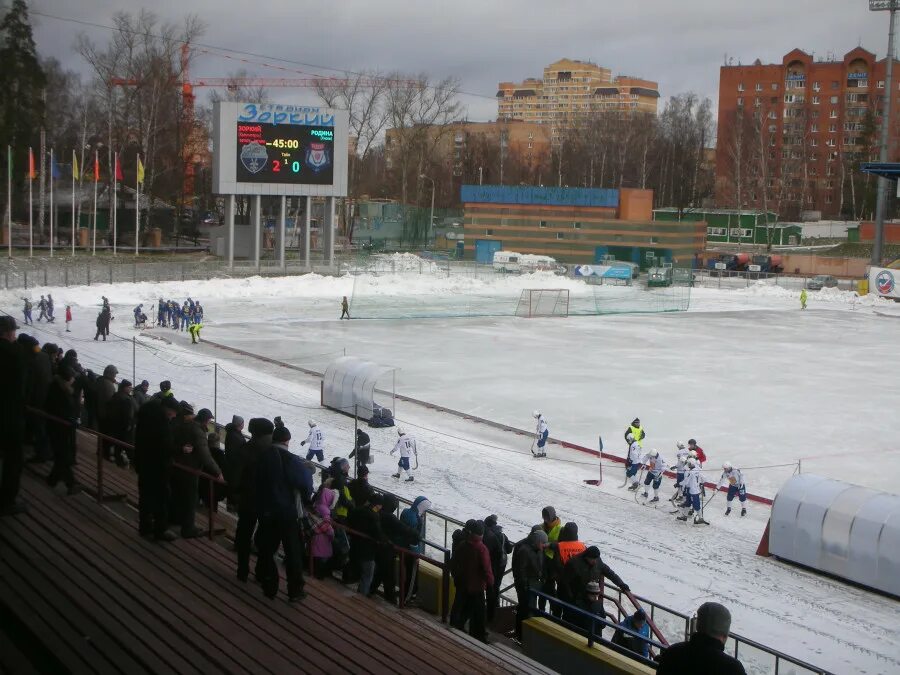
{"type": "Point", "coordinates": [541, 426]}
{"type": "Point", "coordinates": [406, 445]}
{"type": "Point", "coordinates": [316, 439]}
{"type": "Point", "coordinates": [693, 481]}
{"type": "Point", "coordinates": [680, 458]}
{"type": "Point", "coordinates": [656, 465]}
{"type": "Point", "coordinates": [634, 452]}
{"type": "Point", "coordinates": [733, 477]}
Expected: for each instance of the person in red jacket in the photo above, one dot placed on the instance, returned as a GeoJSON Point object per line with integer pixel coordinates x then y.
{"type": "Point", "coordinates": [68, 318]}
{"type": "Point", "coordinates": [473, 575]}
{"type": "Point", "coordinates": [693, 447]}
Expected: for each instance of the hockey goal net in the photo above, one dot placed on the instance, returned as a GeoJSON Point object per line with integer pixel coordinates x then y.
{"type": "Point", "coordinates": [536, 302]}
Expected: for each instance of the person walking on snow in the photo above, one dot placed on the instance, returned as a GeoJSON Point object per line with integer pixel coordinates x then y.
{"type": "Point", "coordinates": [734, 478]}
{"type": "Point", "coordinates": [636, 431]}
{"type": "Point", "coordinates": [693, 483]}
{"type": "Point", "coordinates": [632, 461]}
{"type": "Point", "coordinates": [316, 441]}
{"type": "Point", "coordinates": [194, 330]}
{"type": "Point", "coordinates": [42, 306]}
{"type": "Point", "coordinates": [26, 310]}
{"type": "Point", "coordinates": [406, 445]}
{"type": "Point", "coordinates": [655, 465]}
{"type": "Point", "coordinates": [50, 316]}
{"type": "Point", "coordinates": [803, 299]}
{"type": "Point", "coordinates": [68, 317]}
{"type": "Point", "coordinates": [345, 308]}
{"type": "Point", "coordinates": [542, 432]}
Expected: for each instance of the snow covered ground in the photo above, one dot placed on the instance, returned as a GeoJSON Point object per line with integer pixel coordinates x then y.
{"type": "Point", "coordinates": [751, 377]}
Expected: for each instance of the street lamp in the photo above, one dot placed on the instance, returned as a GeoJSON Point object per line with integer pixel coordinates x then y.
{"type": "Point", "coordinates": [431, 217]}
{"type": "Point", "coordinates": [881, 203]}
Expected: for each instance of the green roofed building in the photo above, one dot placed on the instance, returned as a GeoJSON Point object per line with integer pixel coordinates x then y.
{"type": "Point", "coordinates": [736, 226]}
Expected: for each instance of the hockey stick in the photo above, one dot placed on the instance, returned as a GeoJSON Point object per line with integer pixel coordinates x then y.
{"type": "Point", "coordinates": [533, 441]}
{"type": "Point", "coordinates": [417, 462]}
{"type": "Point", "coordinates": [638, 489]}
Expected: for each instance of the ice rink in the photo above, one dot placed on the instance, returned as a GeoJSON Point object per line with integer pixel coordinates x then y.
{"type": "Point", "coordinates": [748, 374]}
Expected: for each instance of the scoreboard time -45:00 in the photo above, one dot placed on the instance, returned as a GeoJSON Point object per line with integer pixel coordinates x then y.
{"type": "Point", "coordinates": [285, 153]}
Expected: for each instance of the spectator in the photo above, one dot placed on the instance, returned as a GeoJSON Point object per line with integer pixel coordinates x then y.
{"type": "Point", "coordinates": [594, 605]}
{"type": "Point", "coordinates": [89, 385]}
{"type": "Point", "coordinates": [191, 450]}
{"type": "Point", "coordinates": [234, 440]}
{"type": "Point", "coordinates": [281, 478]}
{"type": "Point", "coordinates": [551, 526]}
{"type": "Point", "coordinates": [214, 441]}
{"type": "Point", "coordinates": [367, 521]}
{"type": "Point", "coordinates": [578, 572]}
{"type": "Point", "coordinates": [154, 445]}
{"type": "Point", "coordinates": [70, 361]}
{"type": "Point", "coordinates": [359, 487]}
{"type": "Point", "coordinates": [472, 572]}
{"type": "Point", "coordinates": [321, 544]}
{"type": "Point", "coordinates": [566, 548]}
{"type": "Point", "coordinates": [105, 388]}
{"type": "Point", "coordinates": [637, 622]}
{"type": "Point", "coordinates": [61, 404]}
{"type": "Point", "coordinates": [361, 450]}
{"type": "Point", "coordinates": [397, 534]}
{"type": "Point", "coordinates": [499, 547]}
{"type": "Point", "coordinates": [243, 474]}
{"type": "Point", "coordinates": [12, 415]}
{"type": "Point", "coordinates": [704, 653]}
{"type": "Point", "coordinates": [103, 320]}
{"type": "Point", "coordinates": [38, 375]}
{"type": "Point", "coordinates": [141, 394]}
{"type": "Point", "coordinates": [414, 517]}
{"type": "Point", "coordinates": [340, 473]}
{"type": "Point", "coordinates": [528, 569]}
{"type": "Point", "coordinates": [165, 390]}
{"type": "Point", "coordinates": [119, 420]}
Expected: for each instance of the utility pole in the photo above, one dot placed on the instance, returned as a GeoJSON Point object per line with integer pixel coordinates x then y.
{"type": "Point", "coordinates": [881, 203]}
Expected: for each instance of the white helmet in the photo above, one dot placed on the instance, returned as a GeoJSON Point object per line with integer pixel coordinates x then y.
{"type": "Point", "coordinates": [536, 414]}
{"type": "Point", "coordinates": [312, 423]}
{"type": "Point", "coordinates": [692, 454]}
{"type": "Point", "coordinates": [400, 431]}
{"type": "Point", "coordinates": [727, 466]}
{"type": "Point", "coordinates": [629, 438]}
{"type": "Point", "coordinates": [679, 445]}
{"type": "Point", "coordinates": [691, 463]}
{"type": "Point", "coordinates": [654, 454]}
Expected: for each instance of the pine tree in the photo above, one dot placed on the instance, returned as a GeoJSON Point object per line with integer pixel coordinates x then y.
{"type": "Point", "coordinates": [22, 81]}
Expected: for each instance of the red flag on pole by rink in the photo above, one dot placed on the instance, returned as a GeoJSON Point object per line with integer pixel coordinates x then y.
{"type": "Point", "coordinates": [119, 177]}
{"type": "Point", "coordinates": [32, 174]}
{"type": "Point", "coordinates": [96, 168]}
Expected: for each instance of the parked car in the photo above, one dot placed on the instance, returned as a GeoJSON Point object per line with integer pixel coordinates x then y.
{"type": "Point", "coordinates": [660, 276]}
{"type": "Point", "coordinates": [818, 282]}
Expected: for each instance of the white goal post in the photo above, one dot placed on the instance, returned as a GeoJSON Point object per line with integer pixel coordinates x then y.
{"type": "Point", "coordinates": [535, 302]}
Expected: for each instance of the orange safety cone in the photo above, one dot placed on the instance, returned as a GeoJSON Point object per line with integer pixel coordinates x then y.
{"type": "Point", "coordinates": [763, 548]}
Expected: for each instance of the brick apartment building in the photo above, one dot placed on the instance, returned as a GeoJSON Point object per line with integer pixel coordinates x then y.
{"type": "Point", "coordinates": [572, 88]}
{"type": "Point", "coordinates": [814, 118]}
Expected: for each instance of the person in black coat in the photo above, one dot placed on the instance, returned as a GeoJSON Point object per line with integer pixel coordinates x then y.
{"type": "Point", "coordinates": [398, 534]}
{"type": "Point", "coordinates": [103, 321]}
{"type": "Point", "coordinates": [499, 547]}
{"type": "Point", "coordinates": [118, 420]}
{"type": "Point", "coordinates": [61, 404]}
{"type": "Point", "coordinates": [704, 653]}
{"type": "Point", "coordinates": [38, 375]}
{"type": "Point", "coordinates": [12, 415]}
{"type": "Point", "coordinates": [242, 466]}
{"type": "Point", "coordinates": [359, 487]}
{"type": "Point", "coordinates": [153, 450]}
{"type": "Point", "coordinates": [361, 450]}
{"type": "Point", "coordinates": [367, 521]}
{"type": "Point", "coordinates": [580, 571]}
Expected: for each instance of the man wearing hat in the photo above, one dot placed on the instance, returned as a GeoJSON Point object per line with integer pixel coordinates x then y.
{"type": "Point", "coordinates": [704, 653]}
{"type": "Point", "coordinates": [636, 623]}
{"type": "Point", "coordinates": [12, 415]}
{"type": "Point", "coordinates": [140, 394]}
{"type": "Point", "coordinates": [242, 472]}
{"type": "Point", "coordinates": [528, 569]}
{"type": "Point", "coordinates": [191, 450]}
{"type": "Point", "coordinates": [119, 420]}
{"type": "Point", "coordinates": [367, 520]}
{"type": "Point", "coordinates": [154, 446]}
{"type": "Point", "coordinates": [165, 390]}
{"type": "Point", "coordinates": [581, 570]}
{"type": "Point", "coordinates": [473, 575]}
{"type": "Point", "coordinates": [104, 390]}
{"type": "Point", "coordinates": [281, 480]}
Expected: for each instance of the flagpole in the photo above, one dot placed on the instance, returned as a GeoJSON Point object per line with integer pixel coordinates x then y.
{"type": "Point", "coordinates": [137, 206]}
{"type": "Point", "coordinates": [73, 203]}
{"type": "Point", "coordinates": [9, 171]}
{"type": "Point", "coordinates": [51, 202]}
{"type": "Point", "coordinates": [115, 199]}
{"type": "Point", "coordinates": [94, 244]}
{"type": "Point", "coordinates": [30, 205]}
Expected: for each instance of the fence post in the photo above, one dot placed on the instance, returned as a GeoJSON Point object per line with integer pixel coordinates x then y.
{"type": "Point", "coordinates": [66, 270]}
{"type": "Point", "coordinates": [133, 272]}
{"type": "Point", "coordinates": [110, 274]}
{"type": "Point", "coordinates": [445, 587]}
{"type": "Point", "coordinates": [211, 517]}
{"type": "Point", "coordinates": [25, 273]}
{"type": "Point", "coordinates": [402, 580]}
{"type": "Point", "coordinates": [99, 470]}
{"type": "Point", "coordinates": [89, 274]}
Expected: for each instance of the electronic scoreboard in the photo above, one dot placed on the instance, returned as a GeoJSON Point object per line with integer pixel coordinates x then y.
{"type": "Point", "coordinates": [284, 153]}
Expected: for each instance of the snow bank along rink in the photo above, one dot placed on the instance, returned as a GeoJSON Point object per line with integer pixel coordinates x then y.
{"type": "Point", "coordinates": [741, 360]}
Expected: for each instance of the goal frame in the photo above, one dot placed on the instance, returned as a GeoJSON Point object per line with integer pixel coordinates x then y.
{"type": "Point", "coordinates": [530, 304]}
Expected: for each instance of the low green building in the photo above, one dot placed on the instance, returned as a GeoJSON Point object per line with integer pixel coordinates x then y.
{"type": "Point", "coordinates": [737, 226]}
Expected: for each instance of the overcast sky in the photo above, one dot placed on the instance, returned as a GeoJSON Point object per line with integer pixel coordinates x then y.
{"type": "Point", "coordinates": [679, 43]}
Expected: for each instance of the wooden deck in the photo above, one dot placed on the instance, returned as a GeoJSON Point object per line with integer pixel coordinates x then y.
{"type": "Point", "coordinates": [80, 591]}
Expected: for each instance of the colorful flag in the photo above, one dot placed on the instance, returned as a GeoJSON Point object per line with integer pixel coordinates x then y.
{"type": "Point", "coordinates": [140, 171]}
{"type": "Point", "coordinates": [96, 168]}
{"type": "Point", "coordinates": [55, 173]}
{"type": "Point", "coordinates": [32, 174]}
{"type": "Point", "coordinates": [75, 174]}
{"type": "Point", "coordinates": [118, 171]}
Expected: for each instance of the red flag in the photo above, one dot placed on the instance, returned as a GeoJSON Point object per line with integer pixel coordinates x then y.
{"type": "Point", "coordinates": [118, 169]}
{"type": "Point", "coordinates": [96, 168]}
{"type": "Point", "coordinates": [32, 174]}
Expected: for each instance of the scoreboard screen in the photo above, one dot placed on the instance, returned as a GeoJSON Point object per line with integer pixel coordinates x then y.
{"type": "Point", "coordinates": [285, 153]}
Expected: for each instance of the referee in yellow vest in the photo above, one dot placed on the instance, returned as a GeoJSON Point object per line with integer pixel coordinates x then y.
{"type": "Point", "coordinates": [636, 431]}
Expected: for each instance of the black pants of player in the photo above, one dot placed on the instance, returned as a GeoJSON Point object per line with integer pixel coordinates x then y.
{"type": "Point", "coordinates": [472, 612]}
{"type": "Point", "coordinates": [243, 537]}
{"type": "Point", "coordinates": [13, 462]}
{"type": "Point", "coordinates": [153, 502]}
{"type": "Point", "coordinates": [385, 564]}
{"type": "Point", "coordinates": [275, 531]}
{"type": "Point", "coordinates": [184, 498]}
{"type": "Point", "coordinates": [62, 443]}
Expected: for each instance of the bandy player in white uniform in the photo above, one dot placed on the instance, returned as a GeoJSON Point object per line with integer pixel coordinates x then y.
{"type": "Point", "coordinates": [406, 446]}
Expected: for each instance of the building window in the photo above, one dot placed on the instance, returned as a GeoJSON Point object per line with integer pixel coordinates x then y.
{"type": "Point", "coordinates": [816, 86]}
{"type": "Point", "coordinates": [772, 115]}
{"type": "Point", "coordinates": [576, 225]}
{"type": "Point", "coordinates": [814, 142]}
{"type": "Point", "coordinates": [488, 233]}
{"type": "Point", "coordinates": [835, 84]}
{"type": "Point", "coordinates": [834, 100]}
{"type": "Point", "coordinates": [833, 114]}
{"type": "Point", "coordinates": [772, 128]}
{"type": "Point", "coordinates": [832, 128]}
{"type": "Point", "coordinates": [757, 102]}
{"type": "Point", "coordinates": [880, 84]}
{"type": "Point", "coordinates": [815, 100]}
{"type": "Point", "coordinates": [741, 86]}
{"type": "Point", "coordinates": [830, 143]}
{"type": "Point", "coordinates": [758, 87]}
{"type": "Point", "coordinates": [740, 101]}
{"type": "Point", "coordinates": [654, 240]}
{"type": "Point", "coordinates": [774, 86]}
{"type": "Point", "coordinates": [828, 198]}
{"type": "Point", "coordinates": [543, 223]}
{"type": "Point", "coordinates": [560, 235]}
{"type": "Point", "coordinates": [814, 128]}
{"type": "Point", "coordinates": [774, 100]}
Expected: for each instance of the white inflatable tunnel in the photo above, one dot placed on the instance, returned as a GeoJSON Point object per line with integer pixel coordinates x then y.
{"type": "Point", "coordinates": [348, 385]}
{"type": "Point", "coordinates": [838, 528]}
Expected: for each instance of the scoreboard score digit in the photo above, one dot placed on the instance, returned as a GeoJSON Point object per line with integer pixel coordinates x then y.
{"type": "Point", "coordinates": [285, 153]}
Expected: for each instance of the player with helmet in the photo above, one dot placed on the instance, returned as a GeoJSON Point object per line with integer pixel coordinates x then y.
{"type": "Point", "coordinates": [406, 445]}
{"type": "Point", "coordinates": [681, 457]}
{"type": "Point", "coordinates": [541, 433]}
{"type": "Point", "coordinates": [655, 465]}
{"type": "Point", "coordinates": [632, 462]}
{"type": "Point", "coordinates": [734, 479]}
{"type": "Point", "coordinates": [692, 487]}
{"type": "Point", "coordinates": [698, 452]}
{"type": "Point", "coordinates": [316, 441]}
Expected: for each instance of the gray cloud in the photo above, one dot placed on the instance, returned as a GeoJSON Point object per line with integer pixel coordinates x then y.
{"type": "Point", "coordinates": [681, 44]}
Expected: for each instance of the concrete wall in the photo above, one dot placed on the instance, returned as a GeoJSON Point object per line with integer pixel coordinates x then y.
{"type": "Point", "coordinates": [808, 264]}
{"type": "Point", "coordinates": [635, 204]}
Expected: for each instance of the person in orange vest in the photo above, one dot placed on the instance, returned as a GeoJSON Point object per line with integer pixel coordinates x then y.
{"type": "Point", "coordinates": [566, 548]}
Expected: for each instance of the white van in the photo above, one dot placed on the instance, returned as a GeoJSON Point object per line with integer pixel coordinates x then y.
{"type": "Point", "coordinates": [510, 261]}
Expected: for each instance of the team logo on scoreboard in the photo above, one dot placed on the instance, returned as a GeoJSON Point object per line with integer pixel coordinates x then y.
{"type": "Point", "coordinates": [317, 157]}
{"type": "Point", "coordinates": [254, 157]}
{"type": "Point", "coordinates": [884, 282]}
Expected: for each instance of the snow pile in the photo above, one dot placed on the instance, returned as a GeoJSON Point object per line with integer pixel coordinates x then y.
{"type": "Point", "coordinates": [404, 262]}
{"type": "Point", "coordinates": [500, 285]}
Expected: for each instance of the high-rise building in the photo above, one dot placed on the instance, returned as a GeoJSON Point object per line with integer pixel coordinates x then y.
{"type": "Point", "coordinates": [571, 89]}
{"type": "Point", "coordinates": [791, 134]}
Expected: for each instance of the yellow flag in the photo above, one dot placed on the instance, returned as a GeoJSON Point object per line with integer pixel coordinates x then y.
{"type": "Point", "coordinates": [140, 171]}
{"type": "Point", "coordinates": [75, 173]}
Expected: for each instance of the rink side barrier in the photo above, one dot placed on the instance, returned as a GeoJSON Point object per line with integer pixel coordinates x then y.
{"type": "Point", "coordinates": [471, 418]}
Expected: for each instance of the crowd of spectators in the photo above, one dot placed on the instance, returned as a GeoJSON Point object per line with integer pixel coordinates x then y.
{"type": "Point", "coordinates": [344, 525]}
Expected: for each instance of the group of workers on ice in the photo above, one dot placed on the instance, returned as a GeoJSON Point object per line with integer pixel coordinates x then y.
{"type": "Point", "coordinates": [689, 479]}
